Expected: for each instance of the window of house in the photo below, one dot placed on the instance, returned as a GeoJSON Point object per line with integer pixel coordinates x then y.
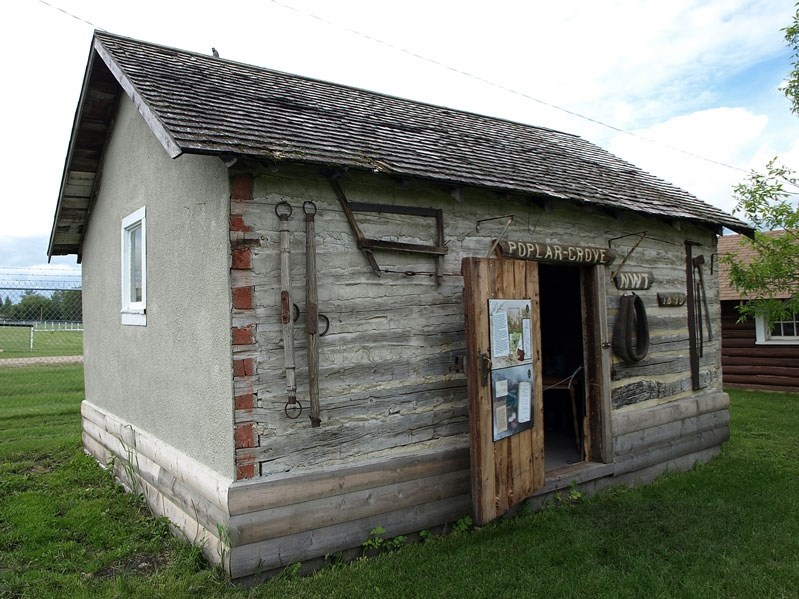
{"type": "Point", "coordinates": [780, 331]}
{"type": "Point", "coordinates": [134, 269]}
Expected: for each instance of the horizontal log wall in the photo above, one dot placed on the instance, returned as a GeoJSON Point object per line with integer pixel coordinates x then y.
{"type": "Point", "coordinates": [664, 374]}
{"type": "Point", "coordinates": [191, 496]}
{"type": "Point", "coordinates": [387, 380]}
{"type": "Point", "coordinates": [293, 518]}
{"type": "Point", "coordinates": [747, 365]}
{"type": "Point", "coordinates": [645, 437]}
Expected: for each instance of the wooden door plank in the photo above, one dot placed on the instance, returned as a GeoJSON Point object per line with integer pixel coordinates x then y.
{"type": "Point", "coordinates": [505, 472]}
{"type": "Point", "coordinates": [537, 432]}
{"type": "Point", "coordinates": [475, 276]}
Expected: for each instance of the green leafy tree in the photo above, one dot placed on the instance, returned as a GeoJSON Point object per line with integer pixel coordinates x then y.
{"type": "Point", "coordinates": [67, 303]}
{"type": "Point", "coordinates": [6, 308]}
{"type": "Point", "coordinates": [768, 200]}
{"type": "Point", "coordinates": [34, 306]}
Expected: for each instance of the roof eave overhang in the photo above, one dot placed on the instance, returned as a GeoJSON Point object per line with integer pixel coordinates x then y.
{"type": "Point", "coordinates": [69, 222]}
{"type": "Point", "coordinates": [57, 218]}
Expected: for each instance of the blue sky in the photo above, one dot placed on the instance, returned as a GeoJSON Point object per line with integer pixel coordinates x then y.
{"type": "Point", "coordinates": [700, 76]}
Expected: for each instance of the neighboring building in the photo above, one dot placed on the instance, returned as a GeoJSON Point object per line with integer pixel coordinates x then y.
{"type": "Point", "coordinates": [754, 355]}
{"type": "Point", "coordinates": [436, 400]}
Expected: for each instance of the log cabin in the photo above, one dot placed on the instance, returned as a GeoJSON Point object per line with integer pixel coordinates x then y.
{"type": "Point", "coordinates": [754, 354]}
{"type": "Point", "coordinates": [311, 310]}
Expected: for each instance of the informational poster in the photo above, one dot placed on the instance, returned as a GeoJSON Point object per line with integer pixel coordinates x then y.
{"type": "Point", "coordinates": [510, 332]}
{"type": "Point", "coordinates": [500, 339]}
{"type": "Point", "coordinates": [512, 400]}
{"type": "Point", "coordinates": [511, 366]}
{"type": "Point", "coordinates": [525, 401]}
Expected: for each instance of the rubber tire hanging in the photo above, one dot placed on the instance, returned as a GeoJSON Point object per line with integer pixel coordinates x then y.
{"type": "Point", "coordinates": [632, 318]}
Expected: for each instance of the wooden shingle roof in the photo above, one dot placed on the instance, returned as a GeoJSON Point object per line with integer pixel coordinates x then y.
{"type": "Point", "coordinates": [205, 105]}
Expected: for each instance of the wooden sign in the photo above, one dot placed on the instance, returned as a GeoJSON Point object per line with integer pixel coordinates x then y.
{"type": "Point", "coordinates": [555, 252]}
{"type": "Point", "coordinates": [671, 300]}
{"type": "Point", "coordinates": [634, 280]}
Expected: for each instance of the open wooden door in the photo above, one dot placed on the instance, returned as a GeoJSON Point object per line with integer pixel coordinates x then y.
{"type": "Point", "coordinates": [506, 436]}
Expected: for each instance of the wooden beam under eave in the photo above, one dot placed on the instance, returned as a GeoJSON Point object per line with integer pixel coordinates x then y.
{"type": "Point", "coordinates": [74, 202]}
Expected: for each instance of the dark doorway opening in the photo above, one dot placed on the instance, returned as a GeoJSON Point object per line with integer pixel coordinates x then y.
{"type": "Point", "coordinates": [562, 356]}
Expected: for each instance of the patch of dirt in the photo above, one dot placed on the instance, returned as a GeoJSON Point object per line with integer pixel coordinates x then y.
{"type": "Point", "coordinates": [43, 464]}
{"type": "Point", "coordinates": [143, 564]}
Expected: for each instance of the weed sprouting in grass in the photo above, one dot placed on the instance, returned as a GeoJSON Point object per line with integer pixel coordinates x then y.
{"type": "Point", "coordinates": [463, 525]}
{"type": "Point", "coordinates": [223, 534]}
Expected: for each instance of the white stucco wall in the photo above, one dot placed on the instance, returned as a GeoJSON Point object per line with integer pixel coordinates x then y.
{"type": "Point", "coordinates": [172, 377]}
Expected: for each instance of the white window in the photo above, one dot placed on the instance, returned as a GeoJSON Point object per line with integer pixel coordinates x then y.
{"type": "Point", "coordinates": [134, 269]}
{"type": "Point", "coordinates": [780, 331]}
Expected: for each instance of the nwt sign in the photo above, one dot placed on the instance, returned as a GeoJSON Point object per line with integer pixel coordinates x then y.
{"type": "Point", "coordinates": [555, 252]}
{"type": "Point", "coordinates": [634, 280]}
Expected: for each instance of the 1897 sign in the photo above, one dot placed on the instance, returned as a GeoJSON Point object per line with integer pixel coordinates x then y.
{"type": "Point", "coordinates": [555, 252]}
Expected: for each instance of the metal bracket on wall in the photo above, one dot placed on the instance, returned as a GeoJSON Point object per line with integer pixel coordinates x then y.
{"type": "Point", "coordinates": [641, 236]}
{"type": "Point", "coordinates": [368, 245]}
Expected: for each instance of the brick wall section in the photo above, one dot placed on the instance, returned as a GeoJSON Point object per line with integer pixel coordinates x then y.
{"type": "Point", "coordinates": [244, 326]}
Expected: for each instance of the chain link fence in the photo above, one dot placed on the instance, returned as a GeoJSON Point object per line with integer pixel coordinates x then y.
{"type": "Point", "coordinates": [41, 322]}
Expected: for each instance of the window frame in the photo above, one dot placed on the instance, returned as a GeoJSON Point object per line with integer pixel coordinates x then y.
{"type": "Point", "coordinates": [133, 312]}
{"type": "Point", "coordinates": [763, 334]}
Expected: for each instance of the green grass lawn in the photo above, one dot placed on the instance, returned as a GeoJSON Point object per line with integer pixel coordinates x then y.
{"type": "Point", "coordinates": [728, 529]}
{"type": "Point", "coordinates": [15, 343]}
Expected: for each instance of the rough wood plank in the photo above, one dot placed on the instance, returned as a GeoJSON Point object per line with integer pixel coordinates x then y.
{"type": "Point", "coordinates": [345, 507]}
{"type": "Point", "coordinates": [203, 481]}
{"type": "Point", "coordinates": [660, 389]}
{"type": "Point", "coordinates": [199, 508]}
{"type": "Point", "coordinates": [275, 553]}
{"type": "Point", "coordinates": [638, 441]}
{"type": "Point", "coordinates": [775, 381]}
{"type": "Point", "coordinates": [775, 351]}
{"type": "Point", "coordinates": [477, 275]}
{"type": "Point", "coordinates": [503, 476]}
{"type": "Point", "coordinates": [729, 362]}
{"type": "Point", "coordinates": [605, 420]}
{"type": "Point", "coordinates": [630, 421]}
{"type": "Point", "coordinates": [260, 494]}
{"type": "Point", "coordinates": [765, 369]}
{"type": "Point", "coordinates": [670, 450]}
{"type": "Point", "coordinates": [359, 439]}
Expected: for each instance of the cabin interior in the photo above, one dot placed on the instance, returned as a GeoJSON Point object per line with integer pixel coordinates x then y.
{"type": "Point", "coordinates": [562, 353]}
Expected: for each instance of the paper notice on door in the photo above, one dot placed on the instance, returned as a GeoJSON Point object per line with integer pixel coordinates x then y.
{"type": "Point", "coordinates": [525, 395]}
{"type": "Point", "coordinates": [500, 388]}
{"type": "Point", "coordinates": [500, 418]}
{"type": "Point", "coordinates": [527, 338]}
{"type": "Point", "coordinates": [500, 341]}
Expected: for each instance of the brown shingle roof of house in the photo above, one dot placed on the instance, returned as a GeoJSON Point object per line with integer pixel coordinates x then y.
{"type": "Point", "coordinates": [201, 104]}
{"type": "Point", "coordinates": [746, 251]}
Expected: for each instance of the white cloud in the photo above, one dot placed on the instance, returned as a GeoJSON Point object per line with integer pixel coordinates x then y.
{"type": "Point", "coordinates": [732, 136]}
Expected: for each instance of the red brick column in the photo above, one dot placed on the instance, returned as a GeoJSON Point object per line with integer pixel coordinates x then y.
{"type": "Point", "coordinates": [244, 328]}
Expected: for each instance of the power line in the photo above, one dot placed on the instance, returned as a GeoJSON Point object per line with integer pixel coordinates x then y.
{"type": "Point", "coordinates": [503, 87]}
{"type": "Point", "coordinates": [69, 14]}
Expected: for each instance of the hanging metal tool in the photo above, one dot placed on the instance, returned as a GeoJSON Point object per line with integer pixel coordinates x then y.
{"type": "Point", "coordinates": [368, 245]}
{"type": "Point", "coordinates": [293, 408]}
{"type": "Point", "coordinates": [693, 346]}
{"type": "Point", "coordinates": [311, 311]}
{"type": "Point", "coordinates": [699, 261]}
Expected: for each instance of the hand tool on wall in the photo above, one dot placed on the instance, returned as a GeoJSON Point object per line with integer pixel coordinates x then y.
{"type": "Point", "coordinates": [293, 408]}
{"type": "Point", "coordinates": [698, 262]}
{"type": "Point", "coordinates": [311, 311]}
{"type": "Point", "coordinates": [690, 303]}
